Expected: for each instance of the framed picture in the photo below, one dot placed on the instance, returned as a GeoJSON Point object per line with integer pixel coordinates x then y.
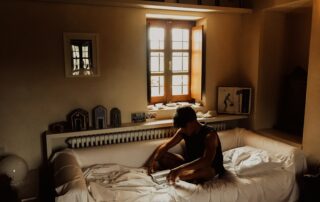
{"type": "Point", "coordinates": [81, 54]}
{"type": "Point", "coordinates": [234, 100]}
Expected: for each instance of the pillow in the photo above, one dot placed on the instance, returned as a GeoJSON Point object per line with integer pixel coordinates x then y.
{"type": "Point", "coordinates": [67, 172]}
{"type": "Point", "coordinates": [245, 161]}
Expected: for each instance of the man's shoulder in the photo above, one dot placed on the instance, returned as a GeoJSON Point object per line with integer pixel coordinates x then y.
{"type": "Point", "coordinates": [212, 135]}
{"type": "Point", "coordinates": [209, 129]}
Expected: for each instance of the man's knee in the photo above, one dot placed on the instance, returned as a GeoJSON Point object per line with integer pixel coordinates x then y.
{"type": "Point", "coordinates": [169, 161]}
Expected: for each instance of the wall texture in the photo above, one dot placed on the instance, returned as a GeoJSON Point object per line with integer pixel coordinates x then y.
{"type": "Point", "coordinates": [298, 29]}
{"type": "Point", "coordinates": [252, 57]}
{"type": "Point", "coordinates": [35, 92]}
{"type": "Point", "coordinates": [311, 134]}
{"type": "Point", "coordinates": [270, 69]}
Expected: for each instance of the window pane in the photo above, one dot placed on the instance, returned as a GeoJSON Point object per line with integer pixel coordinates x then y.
{"type": "Point", "coordinates": [180, 62]}
{"type": "Point", "coordinates": [157, 86]}
{"type": "Point", "coordinates": [185, 45]}
{"type": "Point", "coordinates": [177, 80]}
{"type": "Point", "coordinates": [176, 45]}
{"type": "Point", "coordinates": [154, 91]}
{"type": "Point", "coordinates": [176, 34]}
{"type": "Point", "coordinates": [176, 63]}
{"type": "Point", "coordinates": [176, 90]}
{"type": "Point", "coordinates": [154, 64]}
{"type": "Point", "coordinates": [157, 62]}
{"type": "Point", "coordinates": [185, 90]}
{"type": "Point", "coordinates": [156, 38]}
{"type": "Point", "coordinates": [155, 81]}
{"type": "Point", "coordinates": [180, 39]}
{"type": "Point", "coordinates": [185, 60]}
{"type": "Point", "coordinates": [161, 91]}
{"type": "Point", "coordinates": [180, 85]}
{"type": "Point", "coordinates": [156, 45]}
{"type": "Point", "coordinates": [185, 79]}
{"type": "Point", "coordinates": [185, 35]}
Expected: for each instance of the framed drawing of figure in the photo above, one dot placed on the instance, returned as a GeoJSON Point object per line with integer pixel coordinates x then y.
{"type": "Point", "coordinates": [234, 100]}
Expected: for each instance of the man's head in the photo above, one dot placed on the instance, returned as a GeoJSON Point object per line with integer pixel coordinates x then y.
{"type": "Point", "coordinates": [185, 118]}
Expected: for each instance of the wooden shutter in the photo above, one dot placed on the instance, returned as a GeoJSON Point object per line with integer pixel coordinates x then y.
{"type": "Point", "coordinates": [197, 63]}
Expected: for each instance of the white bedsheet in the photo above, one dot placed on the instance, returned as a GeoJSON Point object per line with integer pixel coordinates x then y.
{"type": "Point", "coordinates": [119, 183]}
{"type": "Point", "coordinates": [246, 161]}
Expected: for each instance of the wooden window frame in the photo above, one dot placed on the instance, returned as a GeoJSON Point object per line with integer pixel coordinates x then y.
{"type": "Point", "coordinates": [168, 25]}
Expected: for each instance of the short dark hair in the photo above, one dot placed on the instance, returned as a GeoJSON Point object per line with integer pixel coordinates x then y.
{"type": "Point", "coordinates": [183, 116]}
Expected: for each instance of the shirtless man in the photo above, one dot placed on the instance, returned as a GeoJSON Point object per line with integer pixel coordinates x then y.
{"type": "Point", "coordinates": [202, 159]}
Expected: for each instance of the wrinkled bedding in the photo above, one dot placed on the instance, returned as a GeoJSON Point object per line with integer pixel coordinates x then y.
{"type": "Point", "coordinates": [253, 175]}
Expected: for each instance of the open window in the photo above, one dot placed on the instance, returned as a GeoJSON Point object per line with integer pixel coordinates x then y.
{"type": "Point", "coordinates": [175, 61]}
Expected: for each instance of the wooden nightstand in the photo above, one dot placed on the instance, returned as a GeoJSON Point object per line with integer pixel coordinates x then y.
{"type": "Point", "coordinates": [28, 190]}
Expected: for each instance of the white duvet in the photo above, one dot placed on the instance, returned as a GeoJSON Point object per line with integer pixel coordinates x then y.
{"type": "Point", "coordinates": [253, 175]}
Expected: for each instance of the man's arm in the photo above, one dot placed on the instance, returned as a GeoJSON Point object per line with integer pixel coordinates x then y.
{"type": "Point", "coordinates": [177, 137]}
{"type": "Point", "coordinates": [204, 161]}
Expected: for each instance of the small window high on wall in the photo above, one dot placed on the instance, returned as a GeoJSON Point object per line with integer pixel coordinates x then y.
{"type": "Point", "coordinates": [175, 55]}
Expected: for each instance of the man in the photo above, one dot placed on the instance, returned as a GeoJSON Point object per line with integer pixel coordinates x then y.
{"type": "Point", "coordinates": [202, 159]}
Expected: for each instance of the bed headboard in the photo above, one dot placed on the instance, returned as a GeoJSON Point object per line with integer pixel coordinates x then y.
{"type": "Point", "coordinates": [127, 133]}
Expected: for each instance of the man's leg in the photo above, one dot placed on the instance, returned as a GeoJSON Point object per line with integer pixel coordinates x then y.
{"type": "Point", "coordinates": [206, 173]}
{"type": "Point", "coordinates": [170, 161]}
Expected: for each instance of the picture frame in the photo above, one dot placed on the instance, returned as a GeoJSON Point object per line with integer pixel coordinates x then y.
{"type": "Point", "coordinates": [234, 100]}
{"type": "Point", "coordinates": [81, 55]}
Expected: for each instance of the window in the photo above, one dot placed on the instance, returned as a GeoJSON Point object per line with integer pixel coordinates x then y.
{"type": "Point", "coordinates": [170, 54]}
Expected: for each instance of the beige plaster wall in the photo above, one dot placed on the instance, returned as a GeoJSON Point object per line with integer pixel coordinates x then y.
{"type": "Point", "coordinates": [311, 134]}
{"type": "Point", "coordinates": [250, 55]}
{"type": "Point", "coordinates": [298, 29]}
{"type": "Point", "coordinates": [35, 92]}
{"type": "Point", "coordinates": [223, 54]}
{"type": "Point", "coordinates": [264, 53]}
{"type": "Point", "coordinates": [270, 69]}
{"type": "Point", "coordinates": [262, 4]}
{"type": "Point", "coordinates": [311, 137]}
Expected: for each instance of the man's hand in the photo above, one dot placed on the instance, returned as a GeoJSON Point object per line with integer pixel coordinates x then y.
{"type": "Point", "coordinates": [173, 176]}
{"type": "Point", "coordinates": [153, 165]}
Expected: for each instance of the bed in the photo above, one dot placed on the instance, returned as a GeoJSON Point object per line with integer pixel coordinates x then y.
{"type": "Point", "coordinates": [258, 169]}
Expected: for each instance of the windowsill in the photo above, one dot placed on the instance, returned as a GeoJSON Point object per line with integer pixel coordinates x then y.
{"type": "Point", "coordinates": [170, 106]}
